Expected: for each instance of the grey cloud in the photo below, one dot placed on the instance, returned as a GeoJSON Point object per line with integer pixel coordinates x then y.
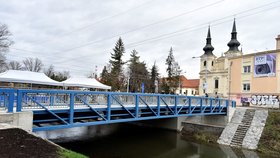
{"type": "Point", "coordinates": [40, 26]}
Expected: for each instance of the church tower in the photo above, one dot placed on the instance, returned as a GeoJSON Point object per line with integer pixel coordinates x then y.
{"type": "Point", "coordinates": [206, 63]}
{"type": "Point", "coordinates": [233, 44]}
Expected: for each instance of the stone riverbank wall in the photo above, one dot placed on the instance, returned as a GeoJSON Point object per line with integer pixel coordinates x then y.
{"type": "Point", "coordinates": [245, 128]}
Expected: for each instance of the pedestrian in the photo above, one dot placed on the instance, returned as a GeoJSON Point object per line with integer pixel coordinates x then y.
{"type": "Point", "coordinates": [206, 100]}
{"type": "Point", "coordinates": [216, 97]}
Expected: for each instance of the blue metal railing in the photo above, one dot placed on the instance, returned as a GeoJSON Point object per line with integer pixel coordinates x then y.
{"type": "Point", "coordinates": [7, 98]}
{"type": "Point", "coordinates": [83, 108]}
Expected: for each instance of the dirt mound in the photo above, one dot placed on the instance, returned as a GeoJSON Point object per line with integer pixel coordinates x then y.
{"type": "Point", "coordinates": [17, 143]}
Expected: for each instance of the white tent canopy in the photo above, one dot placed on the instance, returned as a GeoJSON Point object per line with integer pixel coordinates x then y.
{"type": "Point", "coordinates": [27, 77]}
{"type": "Point", "coordinates": [84, 82]}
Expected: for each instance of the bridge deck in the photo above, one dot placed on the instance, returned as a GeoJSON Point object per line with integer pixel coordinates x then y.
{"type": "Point", "coordinates": [54, 109]}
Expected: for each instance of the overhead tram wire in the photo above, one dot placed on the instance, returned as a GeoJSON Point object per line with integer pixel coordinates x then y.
{"type": "Point", "coordinates": [193, 30]}
{"type": "Point", "coordinates": [177, 33]}
{"type": "Point", "coordinates": [95, 23]}
{"type": "Point", "coordinates": [185, 29]}
{"type": "Point", "coordinates": [146, 26]}
{"type": "Point", "coordinates": [139, 28]}
{"type": "Point", "coordinates": [93, 42]}
{"type": "Point", "coordinates": [141, 42]}
{"type": "Point", "coordinates": [206, 24]}
{"type": "Point", "coordinates": [70, 49]}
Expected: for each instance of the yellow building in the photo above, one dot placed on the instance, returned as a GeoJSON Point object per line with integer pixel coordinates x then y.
{"type": "Point", "coordinates": [214, 72]}
{"type": "Point", "coordinates": [254, 78]}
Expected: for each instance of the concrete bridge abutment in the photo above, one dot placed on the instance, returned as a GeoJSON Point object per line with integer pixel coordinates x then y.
{"type": "Point", "coordinates": [23, 120]}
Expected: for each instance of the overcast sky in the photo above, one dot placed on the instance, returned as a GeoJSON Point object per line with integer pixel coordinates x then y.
{"type": "Point", "coordinates": [79, 35]}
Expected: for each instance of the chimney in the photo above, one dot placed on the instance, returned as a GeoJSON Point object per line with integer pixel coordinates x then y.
{"type": "Point", "coordinates": [278, 42]}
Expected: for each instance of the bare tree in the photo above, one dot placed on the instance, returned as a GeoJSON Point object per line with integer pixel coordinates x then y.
{"type": "Point", "coordinates": [2, 62]}
{"type": "Point", "coordinates": [50, 71]}
{"type": "Point", "coordinates": [14, 65]}
{"type": "Point", "coordinates": [31, 64]}
{"type": "Point", "coordinates": [5, 41]}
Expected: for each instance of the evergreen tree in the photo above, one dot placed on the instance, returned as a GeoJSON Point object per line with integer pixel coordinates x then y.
{"type": "Point", "coordinates": [60, 76]}
{"type": "Point", "coordinates": [154, 81]}
{"type": "Point", "coordinates": [173, 71]}
{"type": "Point", "coordinates": [164, 86]}
{"type": "Point", "coordinates": [169, 62]}
{"type": "Point", "coordinates": [138, 73]}
{"type": "Point", "coordinates": [105, 76]}
{"type": "Point", "coordinates": [116, 75]}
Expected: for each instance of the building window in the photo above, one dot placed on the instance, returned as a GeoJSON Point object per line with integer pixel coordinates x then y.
{"type": "Point", "coordinates": [247, 69]}
{"type": "Point", "coordinates": [246, 86]}
{"type": "Point", "coordinates": [204, 63]}
{"type": "Point", "coordinates": [212, 63]}
{"type": "Point", "coordinates": [192, 92]}
{"type": "Point", "coordinates": [186, 92]}
{"type": "Point", "coordinates": [216, 84]}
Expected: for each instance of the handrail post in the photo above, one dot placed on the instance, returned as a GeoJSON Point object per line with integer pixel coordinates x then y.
{"type": "Point", "coordinates": [51, 100]}
{"type": "Point", "coordinates": [158, 105]}
{"type": "Point", "coordinates": [211, 104]}
{"type": "Point", "coordinates": [11, 102]}
{"type": "Point", "coordinates": [220, 104]}
{"type": "Point", "coordinates": [201, 103]}
{"type": "Point", "coordinates": [136, 105]}
{"type": "Point", "coordinates": [227, 103]}
{"type": "Point", "coordinates": [176, 104]}
{"type": "Point", "coordinates": [190, 104]}
{"type": "Point", "coordinates": [109, 102]}
{"type": "Point", "coordinates": [19, 101]}
{"type": "Point", "coordinates": [71, 116]}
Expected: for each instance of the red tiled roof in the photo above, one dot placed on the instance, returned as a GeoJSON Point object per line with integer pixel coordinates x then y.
{"type": "Point", "coordinates": [189, 83]}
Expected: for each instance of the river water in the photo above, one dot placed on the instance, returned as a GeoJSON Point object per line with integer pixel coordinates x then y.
{"type": "Point", "coordinates": [131, 141]}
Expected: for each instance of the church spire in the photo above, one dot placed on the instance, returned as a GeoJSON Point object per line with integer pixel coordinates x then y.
{"type": "Point", "coordinates": [208, 47]}
{"type": "Point", "coordinates": [233, 43]}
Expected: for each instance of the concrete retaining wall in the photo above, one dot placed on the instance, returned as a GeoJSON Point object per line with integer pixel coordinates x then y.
{"type": "Point", "coordinates": [190, 127]}
{"type": "Point", "coordinates": [23, 120]}
{"type": "Point", "coordinates": [254, 132]}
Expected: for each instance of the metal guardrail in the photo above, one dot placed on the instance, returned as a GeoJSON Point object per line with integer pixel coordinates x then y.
{"type": "Point", "coordinates": [71, 108]}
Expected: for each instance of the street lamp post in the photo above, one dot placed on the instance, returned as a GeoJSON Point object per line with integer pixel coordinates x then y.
{"type": "Point", "coordinates": [204, 85]}
{"type": "Point", "coordinates": [229, 80]}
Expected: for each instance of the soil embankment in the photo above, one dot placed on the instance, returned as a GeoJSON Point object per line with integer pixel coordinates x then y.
{"type": "Point", "coordinates": [17, 143]}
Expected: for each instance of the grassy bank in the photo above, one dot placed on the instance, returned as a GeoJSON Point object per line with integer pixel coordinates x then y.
{"type": "Point", "coordinates": [64, 153]}
{"type": "Point", "coordinates": [202, 137]}
{"type": "Point", "coordinates": [270, 139]}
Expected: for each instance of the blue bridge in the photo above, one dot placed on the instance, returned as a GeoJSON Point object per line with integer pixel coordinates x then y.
{"type": "Point", "coordinates": [58, 109]}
